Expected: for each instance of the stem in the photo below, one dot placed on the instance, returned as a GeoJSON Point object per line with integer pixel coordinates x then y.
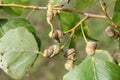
{"type": "Point", "coordinates": [40, 53]}
{"type": "Point", "coordinates": [52, 28]}
{"type": "Point", "coordinates": [106, 14]}
{"type": "Point", "coordinates": [23, 6]}
{"type": "Point", "coordinates": [83, 33]}
{"type": "Point", "coordinates": [93, 15]}
{"type": "Point", "coordinates": [58, 8]}
{"type": "Point", "coordinates": [77, 25]}
{"type": "Point", "coordinates": [104, 8]}
{"type": "Point", "coordinates": [29, 7]}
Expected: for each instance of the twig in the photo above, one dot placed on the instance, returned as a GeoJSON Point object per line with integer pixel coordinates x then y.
{"type": "Point", "coordinates": [28, 7]}
{"type": "Point", "coordinates": [23, 6]}
{"type": "Point", "coordinates": [86, 14]}
{"type": "Point", "coordinates": [93, 15]}
{"type": "Point", "coordinates": [55, 8]}
{"type": "Point", "coordinates": [77, 25]}
{"type": "Point", "coordinates": [104, 8]}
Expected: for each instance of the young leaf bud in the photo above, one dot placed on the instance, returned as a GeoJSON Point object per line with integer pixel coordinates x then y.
{"type": "Point", "coordinates": [47, 53]}
{"type": "Point", "coordinates": [69, 52]}
{"type": "Point", "coordinates": [57, 35]}
{"type": "Point", "coordinates": [60, 34]}
{"type": "Point", "coordinates": [116, 57]}
{"type": "Point", "coordinates": [91, 47]}
{"type": "Point", "coordinates": [111, 32]}
{"type": "Point", "coordinates": [52, 51]}
{"type": "Point", "coordinates": [56, 49]}
{"type": "Point", "coordinates": [69, 65]}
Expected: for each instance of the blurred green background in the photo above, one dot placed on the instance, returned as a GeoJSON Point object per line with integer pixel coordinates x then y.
{"type": "Point", "coordinates": [53, 69]}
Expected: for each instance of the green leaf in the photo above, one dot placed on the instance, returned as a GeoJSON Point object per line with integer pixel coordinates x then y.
{"type": "Point", "coordinates": [94, 69]}
{"type": "Point", "coordinates": [68, 20]}
{"type": "Point", "coordinates": [102, 55]}
{"type": "Point", "coordinates": [14, 10]}
{"type": "Point", "coordinates": [13, 23]}
{"type": "Point", "coordinates": [82, 4]}
{"type": "Point", "coordinates": [73, 42]}
{"type": "Point", "coordinates": [2, 22]}
{"type": "Point", "coordinates": [18, 51]}
{"type": "Point", "coordinates": [116, 15]}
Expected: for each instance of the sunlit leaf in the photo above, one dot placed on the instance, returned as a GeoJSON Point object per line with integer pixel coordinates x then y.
{"type": "Point", "coordinates": [102, 55]}
{"type": "Point", "coordinates": [18, 51]}
{"type": "Point", "coordinates": [12, 23]}
{"type": "Point", "coordinates": [94, 70]}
